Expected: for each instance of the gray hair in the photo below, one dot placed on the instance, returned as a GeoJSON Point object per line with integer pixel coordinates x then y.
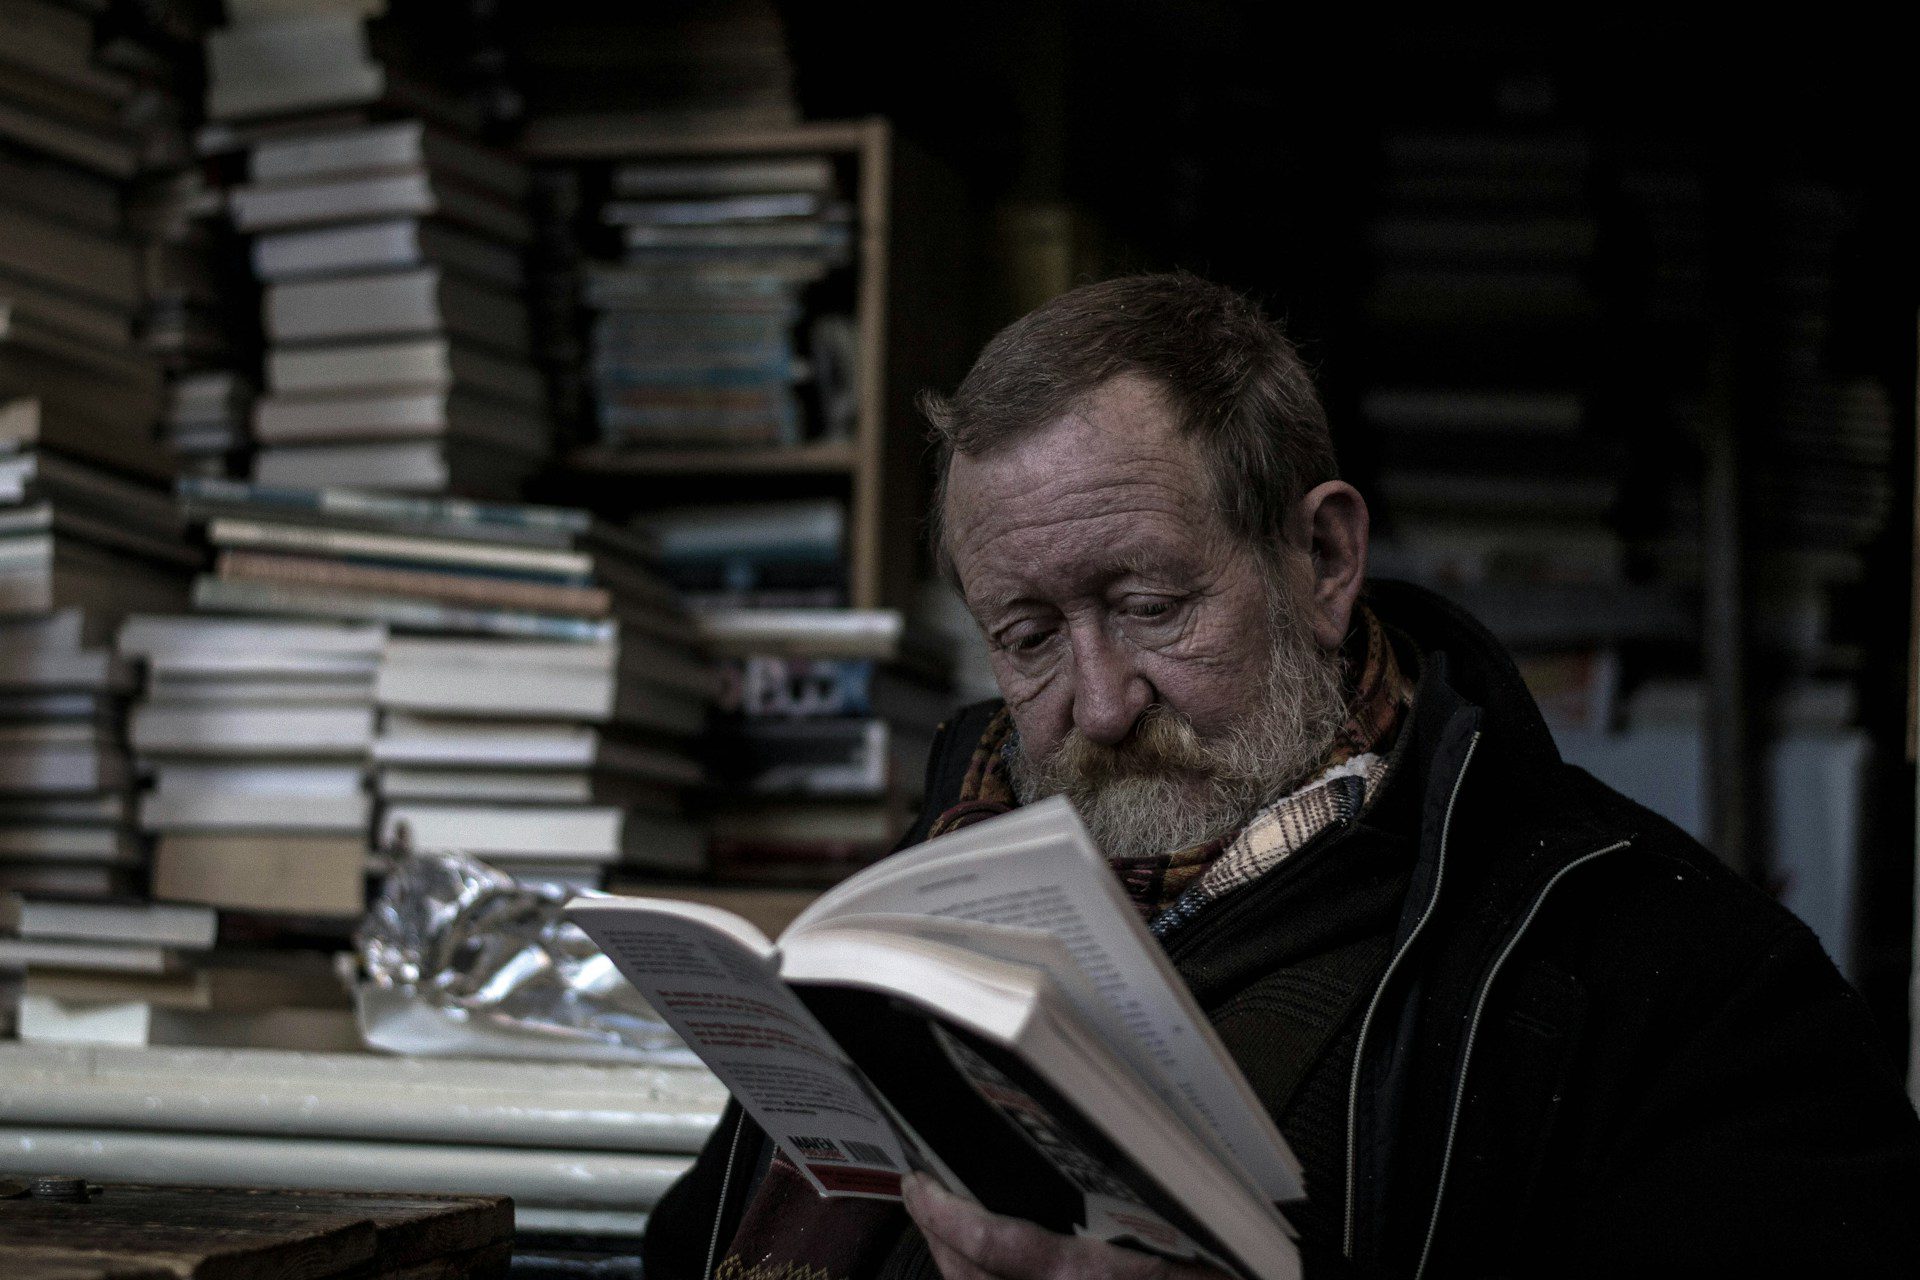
{"type": "Point", "coordinates": [1234, 382]}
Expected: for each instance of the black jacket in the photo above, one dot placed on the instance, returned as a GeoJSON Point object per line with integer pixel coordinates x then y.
{"type": "Point", "coordinates": [1594, 1050]}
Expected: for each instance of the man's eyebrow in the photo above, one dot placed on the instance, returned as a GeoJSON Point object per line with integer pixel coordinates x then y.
{"type": "Point", "coordinates": [1139, 562]}
{"type": "Point", "coordinates": [997, 603]}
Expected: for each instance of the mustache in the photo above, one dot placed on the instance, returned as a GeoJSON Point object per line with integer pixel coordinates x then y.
{"type": "Point", "coordinates": [1162, 742]}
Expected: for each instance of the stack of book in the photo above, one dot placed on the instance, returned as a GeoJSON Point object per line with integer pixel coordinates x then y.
{"type": "Point", "coordinates": [93, 144]}
{"type": "Point", "coordinates": [207, 417]}
{"type": "Point", "coordinates": [789, 554]}
{"type": "Point", "coordinates": [66, 821]}
{"type": "Point", "coordinates": [537, 689]}
{"type": "Point", "coordinates": [694, 334]}
{"type": "Point", "coordinates": [595, 75]}
{"type": "Point", "coordinates": [388, 243]}
{"type": "Point", "coordinates": [825, 714]}
{"type": "Point", "coordinates": [150, 974]}
{"type": "Point", "coordinates": [1499, 484]}
{"type": "Point", "coordinates": [1826, 485]}
{"type": "Point", "coordinates": [552, 761]}
{"type": "Point", "coordinates": [255, 737]}
{"type": "Point", "coordinates": [820, 750]}
{"type": "Point", "coordinates": [86, 529]}
{"type": "Point", "coordinates": [72, 375]}
{"type": "Point", "coordinates": [201, 317]}
{"type": "Point", "coordinates": [80, 545]}
{"type": "Point", "coordinates": [584, 1149]}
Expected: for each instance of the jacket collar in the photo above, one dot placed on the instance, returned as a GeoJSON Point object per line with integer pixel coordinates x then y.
{"type": "Point", "coordinates": [1517, 784]}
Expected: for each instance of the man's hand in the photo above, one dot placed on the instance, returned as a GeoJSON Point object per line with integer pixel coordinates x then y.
{"type": "Point", "coordinates": [969, 1243]}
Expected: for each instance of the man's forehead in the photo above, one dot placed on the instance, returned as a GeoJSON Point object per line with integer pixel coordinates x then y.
{"type": "Point", "coordinates": [1115, 447]}
{"type": "Point", "coordinates": [1108, 486]}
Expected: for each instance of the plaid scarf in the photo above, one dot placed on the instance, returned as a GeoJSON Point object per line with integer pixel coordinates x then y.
{"type": "Point", "coordinates": [789, 1233]}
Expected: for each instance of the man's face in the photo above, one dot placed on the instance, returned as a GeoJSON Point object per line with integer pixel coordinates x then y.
{"type": "Point", "coordinates": [1092, 556]}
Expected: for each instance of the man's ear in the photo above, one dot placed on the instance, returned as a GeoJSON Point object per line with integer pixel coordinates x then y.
{"type": "Point", "coordinates": [1331, 523]}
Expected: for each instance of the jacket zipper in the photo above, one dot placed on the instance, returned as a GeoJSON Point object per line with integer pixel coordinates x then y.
{"type": "Point", "coordinates": [1473, 1032]}
{"type": "Point", "coordinates": [726, 1180]}
{"type": "Point", "coordinates": [1373, 1005]}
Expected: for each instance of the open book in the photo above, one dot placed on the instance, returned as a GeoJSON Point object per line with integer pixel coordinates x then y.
{"type": "Point", "coordinates": [986, 1008]}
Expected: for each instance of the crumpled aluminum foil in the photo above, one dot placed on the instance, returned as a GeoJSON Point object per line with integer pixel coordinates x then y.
{"type": "Point", "coordinates": [458, 958]}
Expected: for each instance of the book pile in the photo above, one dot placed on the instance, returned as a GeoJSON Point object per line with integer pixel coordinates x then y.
{"type": "Point", "coordinates": [597, 78]}
{"type": "Point", "coordinates": [150, 974]}
{"type": "Point", "coordinates": [206, 420]}
{"type": "Point", "coordinates": [199, 316]}
{"type": "Point", "coordinates": [388, 242]}
{"type": "Point", "coordinates": [66, 822]}
{"type": "Point", "coordinates": [551, 760]}
{"type": "Point", "coordinates": [826, 713]}
{"type": "Point", "coordinates": [86, 530]}
{"type": "Point", "coordinates": [693, 339]}
{"type": "Point", "coordinates": [79, 547]}
{"type": "Point", "coordinates": [535, 686]}
{"type": "Point", "coordinates": [1499, 486]}
{"type": "Point", "coordinates": [103, 218]}
{"type": "Point", "coordinates": [820, 751]}
{"type": "Point", "coordinates": [1825, 486]}
{"type": "Point", "coordinates": [790, 554]}
{"type": "Point", "coordinates": [256, 738]}
{"type": "Point", "coordinates": [201, 310]}
{"type": "Point", "coordinates": [583, 1149]}
{"type": "Point", "coordinates": [80, 115]}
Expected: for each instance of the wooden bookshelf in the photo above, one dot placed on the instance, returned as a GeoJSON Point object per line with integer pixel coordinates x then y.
{"type": "Point", "coordinates": [904, 343]}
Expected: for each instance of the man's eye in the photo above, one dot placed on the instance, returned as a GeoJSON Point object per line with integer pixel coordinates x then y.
{"type": "Point", "coordinates": [1029, 642]}
{"type": "Point", "coordinates": [1150, 610]}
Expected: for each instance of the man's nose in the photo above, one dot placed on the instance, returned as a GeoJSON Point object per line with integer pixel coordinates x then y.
{"type": "Point", "coordinates": [1109, 694]}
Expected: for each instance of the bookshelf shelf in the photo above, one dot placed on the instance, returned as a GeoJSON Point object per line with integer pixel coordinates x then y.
{"type": "Point", "coordinates": [903, 346]}
{"type": "Point", "coordinates": [829, 456]}
{"type": "Point", "coordinates": [619, 140]}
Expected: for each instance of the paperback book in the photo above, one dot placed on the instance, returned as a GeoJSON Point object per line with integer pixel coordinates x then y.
{"type": "Point", "coordinates": [987, 1009]}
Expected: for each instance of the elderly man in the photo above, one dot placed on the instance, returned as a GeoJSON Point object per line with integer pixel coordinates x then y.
{"type": "Point", "coordinates": [1511, 1023]}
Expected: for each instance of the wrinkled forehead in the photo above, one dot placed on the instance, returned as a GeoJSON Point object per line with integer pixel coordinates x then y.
{"type": "Point", "coordinates": [1104, 489]}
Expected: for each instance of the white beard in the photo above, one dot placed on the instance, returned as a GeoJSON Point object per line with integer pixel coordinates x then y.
{"type": "Point", "coordinates": [1165, 788]}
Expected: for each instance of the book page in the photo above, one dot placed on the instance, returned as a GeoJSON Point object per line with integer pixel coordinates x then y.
{"type": "Point", "coordinates": [720, 993]}
{"type": "Point", "coordinates": [1043, 873]}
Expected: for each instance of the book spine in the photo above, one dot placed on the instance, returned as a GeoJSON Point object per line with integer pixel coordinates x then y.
{"type": "Point", "coordinates": [350, 542]}
{"type": "Point", "coordinates": [404, 613]}
{"type": "Point", "coordinates": [450, 588]}
{"type": "Point", "coordinates": [341, 502]}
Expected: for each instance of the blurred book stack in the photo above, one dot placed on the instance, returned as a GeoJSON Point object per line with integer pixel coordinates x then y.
{"type": "Point", "coordinates": [789, 554]}
{"type": "Point", "coordinates": [597, 77]}
{"type": "Point", "coordinates": [132, 973]}
{"type": "Point", "coordinates": [87, 531]}
{"type": "Point", "coordinates": [255, 739]}
{"type": "Point", "coordinates": [1500, 482]}
{"type": "Point", "coordinates": [820, 750]}
{"type": "Point", "coordinates": [536, 690]}
{"type": "Point", "coordinates": [721, 305]}
{"type": "Point", "coordinates": [199, 306]}
{"type": "Point", "coordinates": [1825, 488]}
{"type": "Point", "coordinates": [207, 420]}
{"type": "Point", "coordinates": [559, 248]}
{"type": "Point", "coordinates": [66, 821]}
{"type": "Point", "coordinates": [554, 761]}
{"type": "Point", "coordinates": [388, 241]}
